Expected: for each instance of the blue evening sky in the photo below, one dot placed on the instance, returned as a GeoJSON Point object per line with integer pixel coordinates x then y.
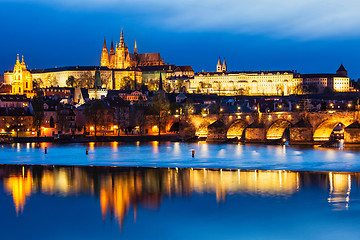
{"type": "Point", "coordinates": [310, 36]}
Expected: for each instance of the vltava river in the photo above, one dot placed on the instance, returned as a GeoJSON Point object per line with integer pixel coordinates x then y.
{"type": "Point", "coordinates": [50, 202]}
{"type": "Point", "coordinates": [155, 154]}
{"type": "Point", "coordinates": [158, 191]}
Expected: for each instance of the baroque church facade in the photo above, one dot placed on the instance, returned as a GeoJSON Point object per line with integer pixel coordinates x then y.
{"type": "Point", "coordinates": [22, 79]}
{"type": "Point", "coordinates": [120, 57]}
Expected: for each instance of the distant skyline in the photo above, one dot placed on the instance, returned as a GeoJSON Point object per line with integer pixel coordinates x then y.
{"type": "Point", "coordinates": [308, 36]}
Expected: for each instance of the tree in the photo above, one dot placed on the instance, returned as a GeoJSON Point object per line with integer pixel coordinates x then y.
{"type": "Point", "coordinates": [52, 123]}
{"type": "Point", "coordinates": [179, 84]}
{"type": "Point", "coordinates": [140, 114]}
{"type": "Point", "coordinates": [94, 113]}
{"type": "Point", "coordinates": [241, 91]}
{"type": "Point", "coordinates": [38, 83]}
{"type": "Point", "coordinates": [51, 81]}
{"type": "Point", "coordinates": [16, 121]}
{"type": "Point", "coordinates": [167, 87]}
{"type": "Point", "coordinates": [38, 111]}
{"type": "Point", "coordinates": [312, 88]}
{"type": "Point", "coordinates": [86, 80]}
{"type": "Point", "coordinates": [152, 85]}
{"type": "Point", "coordinates": [71, 81]}
{"type": "Point", "coordinates": [160, 109]}
{"type": "Point", "coordinates": [218, 86]}
{"type": "Point", "coordinates": [279, 89]}
{"type": "Point", "coordinates": [299, 89]}
{"type": "Point", "coordinates": [127, 83]}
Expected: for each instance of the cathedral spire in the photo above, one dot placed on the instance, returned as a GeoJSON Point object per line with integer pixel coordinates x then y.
{"type": "Point", "coordinates": [112, 50]}
{"type": "Point", "coordinates": [224, 67]}
{"type": "Point", "coordinates": [219, 66]}
{"type": "Point", "coordinates": [104, 56]}
{"type": "Point", "coordinates": [135, 48]}
{"type": "Point", "coordinates": [122, 43]}
{"type": "Point", "coordinates": [17, 60]}
{"type": "Point", "coordinates": [104, 43]}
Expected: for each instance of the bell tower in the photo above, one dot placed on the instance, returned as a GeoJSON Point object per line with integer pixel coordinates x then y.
{"type": "Point", "coordinates": [219, 66]}
{"type": "Point", "coordinates": [104, 56]}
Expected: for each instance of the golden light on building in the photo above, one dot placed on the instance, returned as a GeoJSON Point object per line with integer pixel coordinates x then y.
{"type": "Point", "coordinates": [155, 129]}
{"type": "Point", "coordinates": [20, 187]}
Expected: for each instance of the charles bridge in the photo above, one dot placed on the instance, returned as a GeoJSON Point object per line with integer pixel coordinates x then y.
{"type": "Point", "coordinates": [257, 127]}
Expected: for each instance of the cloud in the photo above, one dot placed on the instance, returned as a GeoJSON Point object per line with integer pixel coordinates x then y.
{"type": "Point", "coordinates": [302, 19]}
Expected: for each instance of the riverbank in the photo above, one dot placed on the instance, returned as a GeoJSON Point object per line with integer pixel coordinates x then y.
{"type": "Point", "coordinates": [84, 139]}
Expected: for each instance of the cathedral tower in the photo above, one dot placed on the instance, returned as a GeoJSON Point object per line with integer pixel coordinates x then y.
{"type": "Point", "coordinates": [112, 55]}
{"type": "Point", "coordinates": [122, 58]}
{"type": "Point", "coordinates": [224, 67]}
{"type": "Point", "coordinates": [104, 56]}
{"type": "Point", "coordinates": [219, 66]}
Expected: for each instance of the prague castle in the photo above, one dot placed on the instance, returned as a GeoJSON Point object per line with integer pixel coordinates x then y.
{"type": "Point", "coordinates": [223, 82]}
{"type": "Point", "coordinates": [120, 69]}
{"type": "Point", "coordinates": [116, 65]}
{"type": "Point", "coordinates": [122, 58]}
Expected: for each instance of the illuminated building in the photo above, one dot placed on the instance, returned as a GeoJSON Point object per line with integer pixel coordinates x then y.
{"type": "Point", "coordinates": [223, 82]}
{"type": "Point", "coordinates": [133, 97]}
{"type": "Point", "coordinates": [121, 58]}
{"type": "Point", "coordinates": [98, 92]}
{"type": "Point", "coordinates": [338, 82]}
{"type": "Point", "coordinates": [20, 79]}
{"type": "Point", "coordinates": [57, 77]}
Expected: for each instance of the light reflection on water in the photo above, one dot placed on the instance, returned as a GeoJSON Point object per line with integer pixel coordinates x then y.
{"type": "Point", "coordinates": [131, 195]}
{"type": "Point", "coordinates": [168, 154]}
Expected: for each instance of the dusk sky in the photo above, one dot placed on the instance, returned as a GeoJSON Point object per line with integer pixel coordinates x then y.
{"type": "Point", "coordinates": [308, 36]}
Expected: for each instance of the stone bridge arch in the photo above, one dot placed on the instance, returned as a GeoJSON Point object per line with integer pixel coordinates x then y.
{"type": "Point", "coordinates": [324, 129]}
{"type": "Point", "coordinates": [236, 129]}
{"type": "Point", "coordinates": [201, 124]}
{"type": "Point", "coordinates": [277, 129]}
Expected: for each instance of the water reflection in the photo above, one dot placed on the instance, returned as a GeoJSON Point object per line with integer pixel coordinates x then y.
{"type": "Point", "coordinates": [120, 190]}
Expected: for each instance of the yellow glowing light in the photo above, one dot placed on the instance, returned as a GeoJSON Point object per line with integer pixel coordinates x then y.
{"type": "Point", "coordinates": [155, 128]}
{"type": "Point", "coordinates": [349, 105]}
{"type": "Point", "coordinates": [297, 106]}
{"type": "Point", "coordinates": [91, 128]}
{"type": "Point", "coordinates": [115, 127]}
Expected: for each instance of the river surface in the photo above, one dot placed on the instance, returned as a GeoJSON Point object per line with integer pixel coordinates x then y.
{"type": "Point", "coordinates": [158, 191]}
{"type": "Point", "coordinates": [54, 202]}
{"type": "Point", "coordinates": [170, 154]}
